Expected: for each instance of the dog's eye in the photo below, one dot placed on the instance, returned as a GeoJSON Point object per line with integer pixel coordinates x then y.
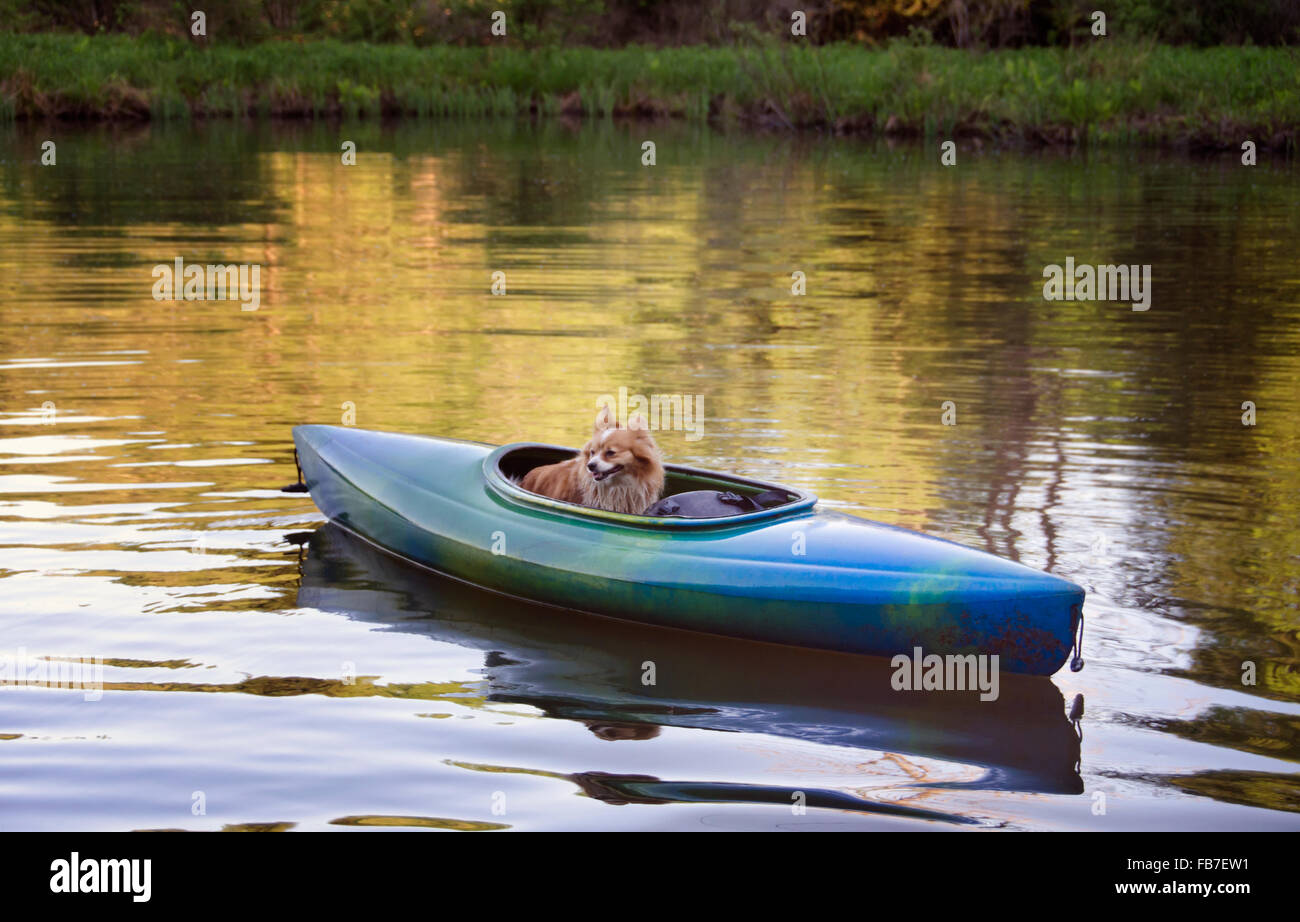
{"type": "Point", "coordinates": [609, 452]}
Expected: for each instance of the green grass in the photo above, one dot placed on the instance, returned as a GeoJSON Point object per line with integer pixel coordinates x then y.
{"type": "Point", "coordinates": [1104, 91]}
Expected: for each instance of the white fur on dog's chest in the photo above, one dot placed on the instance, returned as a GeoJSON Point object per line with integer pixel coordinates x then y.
{"type": "Point", "coordinates": [619, 497]}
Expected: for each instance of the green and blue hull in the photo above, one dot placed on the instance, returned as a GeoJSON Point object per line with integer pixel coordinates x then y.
{"type": "Point", "coordinates": [795, 575]}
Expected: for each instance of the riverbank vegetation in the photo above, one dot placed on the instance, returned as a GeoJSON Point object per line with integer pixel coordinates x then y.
{"type": "Point", "coordinates": [1083, 88]}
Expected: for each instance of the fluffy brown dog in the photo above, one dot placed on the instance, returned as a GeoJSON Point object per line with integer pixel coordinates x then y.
{"type": "Point", "coordinates": [620, 469]}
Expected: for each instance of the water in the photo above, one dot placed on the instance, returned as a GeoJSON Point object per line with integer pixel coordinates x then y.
{"type": "Point", "coordinates": [248, 681]}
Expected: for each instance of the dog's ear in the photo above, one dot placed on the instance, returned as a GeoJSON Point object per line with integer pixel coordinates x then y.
{"type": "Point", "coordinates": [638, 422]}
{"type": "Point", "coordinates": [605, 419]}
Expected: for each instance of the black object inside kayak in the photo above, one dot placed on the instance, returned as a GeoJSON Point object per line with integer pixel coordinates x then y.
{"type": "Point", "coordinates": [709, 504]}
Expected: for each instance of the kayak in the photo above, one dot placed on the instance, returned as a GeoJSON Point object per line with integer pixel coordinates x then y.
{"type": "Point", "coordinates": [791, 573]}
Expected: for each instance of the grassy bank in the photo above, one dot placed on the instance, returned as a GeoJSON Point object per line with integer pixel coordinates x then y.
{"type": "Point", "coordinates": [1099, 92]}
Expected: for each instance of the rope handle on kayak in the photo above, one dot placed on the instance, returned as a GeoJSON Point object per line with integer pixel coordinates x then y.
{"type": "Point", "coordinates": [298, 487]}
{"type": "Point", "coordinates": [1076, 661]}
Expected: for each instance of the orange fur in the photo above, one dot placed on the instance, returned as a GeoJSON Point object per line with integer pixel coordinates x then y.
{"type": "Point", "coordinates": [619, 469]}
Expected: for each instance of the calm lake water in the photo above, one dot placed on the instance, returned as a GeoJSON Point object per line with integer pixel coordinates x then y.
{"type": "Point", "coordinates": [249, 682]}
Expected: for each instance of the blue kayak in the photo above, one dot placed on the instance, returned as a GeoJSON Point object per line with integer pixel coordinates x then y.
{"type": "Point", "coordinates": [789, 573]}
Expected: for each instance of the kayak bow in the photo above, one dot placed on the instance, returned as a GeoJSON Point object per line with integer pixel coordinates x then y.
{"type": "Point", "coordinates": [791, 574]}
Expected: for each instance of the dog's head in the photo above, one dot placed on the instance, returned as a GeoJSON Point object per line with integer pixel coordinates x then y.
{"type": "Point", "coordinates": [616, 452]}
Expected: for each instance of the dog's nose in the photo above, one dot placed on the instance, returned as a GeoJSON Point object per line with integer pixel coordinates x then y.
{"type": "Point", "coordinates": [591, 466]}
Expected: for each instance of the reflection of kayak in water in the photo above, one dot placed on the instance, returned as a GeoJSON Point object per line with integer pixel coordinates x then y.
{"type": "Point", "coordinates": [590, 670]}
{"type": "Point", "coordinates": [783, 572]}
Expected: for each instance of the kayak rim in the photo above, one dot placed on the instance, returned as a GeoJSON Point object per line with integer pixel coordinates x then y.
{"type": "Point", "coordinates": [504, 486]}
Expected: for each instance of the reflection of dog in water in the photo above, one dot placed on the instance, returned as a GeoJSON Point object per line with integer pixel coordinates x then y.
{"type": "Point", "coordinates": [615, 732]}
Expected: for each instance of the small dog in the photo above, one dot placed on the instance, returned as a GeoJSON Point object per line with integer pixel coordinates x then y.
{"type": "Point", "coordinates": [620, 469]}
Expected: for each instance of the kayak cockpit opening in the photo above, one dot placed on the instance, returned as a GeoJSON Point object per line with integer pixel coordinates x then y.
{"type": "Point", "coordinates": [689, 495]}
